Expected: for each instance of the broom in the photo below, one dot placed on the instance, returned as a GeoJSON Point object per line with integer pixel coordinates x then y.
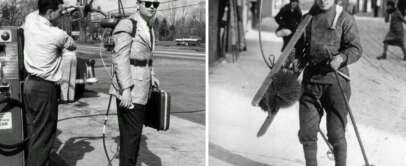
{"type": "Point", "coordinates": [284, 90]}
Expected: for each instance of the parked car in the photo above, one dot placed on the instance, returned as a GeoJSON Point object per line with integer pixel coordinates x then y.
{"type": "Point", "coordinates": [85, 74]}
{"type": "Point", "coordinates": [190, 41]}
{"type": "Point", "coordinates": [75, 35]}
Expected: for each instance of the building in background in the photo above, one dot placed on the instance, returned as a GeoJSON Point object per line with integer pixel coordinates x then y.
{"type": "Point", "coordinates": [229, 20]}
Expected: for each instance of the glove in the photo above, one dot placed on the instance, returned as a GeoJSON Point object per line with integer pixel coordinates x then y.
{"type": "Point", "coordinates": [336, 61]}
{"type": "Point", "coordinates": [283, 32]}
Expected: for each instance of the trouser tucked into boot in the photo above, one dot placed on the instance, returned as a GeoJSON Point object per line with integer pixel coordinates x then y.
{"type": "Point", "coordinates": [315, 97]}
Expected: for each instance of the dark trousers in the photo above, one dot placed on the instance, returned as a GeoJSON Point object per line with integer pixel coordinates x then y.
{"type": "Point", "coordinates": [315, 97]}
{"type": "Point", "coordinates": [130, 123]}
{"type": "Point", "coordinates": [41, 106]}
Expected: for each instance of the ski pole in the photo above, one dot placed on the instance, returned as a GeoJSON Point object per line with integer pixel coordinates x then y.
{"type": "Point", "coordinates": [352, 120]}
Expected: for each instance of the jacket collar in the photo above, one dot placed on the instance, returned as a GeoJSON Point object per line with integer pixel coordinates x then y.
{"type": "Point", "coordinates": [140, 20]}
{"type": "Point", "coordinates": [42, 19]}
{"type": "Point", "coordinates": [145, 29]}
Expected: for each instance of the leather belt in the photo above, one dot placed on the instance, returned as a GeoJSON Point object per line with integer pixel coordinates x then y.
{"type": "Point", "coordinates": [34, 77]}
{"type": "Point", "coordinates": [140, 63]}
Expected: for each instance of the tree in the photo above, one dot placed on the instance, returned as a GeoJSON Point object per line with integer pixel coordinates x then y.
{"type": "Point", "coordinates": [164, 30]}
{"type": "Point", "coordinates": [155, 25]}
{"type": "Point", "coordinates": [172, 32]}
{"type": "Point", "coordinates": [13, 12]}
{"type": "Point", "coordinates": [83, 22]}
{"type": "Point", "coordinates": [11, 15]}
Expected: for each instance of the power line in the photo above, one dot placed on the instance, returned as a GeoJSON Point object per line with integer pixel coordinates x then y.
{"type": "Point", "coordinates": [197, 4]}
{"type": "Point", "coordinates": [168, 1]}
{"type": "Point", "coordinates": [160, 3]}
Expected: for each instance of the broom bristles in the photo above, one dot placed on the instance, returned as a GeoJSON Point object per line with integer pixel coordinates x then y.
{"type": "Point", "coordinates": [284, 91]}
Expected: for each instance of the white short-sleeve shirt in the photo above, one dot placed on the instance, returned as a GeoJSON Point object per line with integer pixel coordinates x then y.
{"type": "Point", "coordinates": [43, 44]}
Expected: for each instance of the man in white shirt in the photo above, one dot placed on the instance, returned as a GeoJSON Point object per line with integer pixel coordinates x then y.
{"type": "Point", "coordinates": [43, 46]}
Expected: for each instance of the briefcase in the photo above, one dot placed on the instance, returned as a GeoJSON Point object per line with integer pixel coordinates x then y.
{"type": "Point", "coordinates": [158, 112]}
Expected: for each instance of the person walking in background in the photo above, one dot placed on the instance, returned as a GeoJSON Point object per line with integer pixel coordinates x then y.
{"type": "Point", "coordinates": [288, 19]}
{"type": "Point", "coordinates": [395, 36]}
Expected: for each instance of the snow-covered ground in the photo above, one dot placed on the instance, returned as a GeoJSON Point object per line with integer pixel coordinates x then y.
{"type": "Point", "coordinates": [378, 101]}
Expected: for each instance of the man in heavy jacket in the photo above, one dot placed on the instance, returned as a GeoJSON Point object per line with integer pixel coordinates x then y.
{"type": "Point", "coordinates": [133, 76]}
{"type": "Point", "coordinates": [288, 19]}
{"type": "Point", "coordinates": [330, 43]}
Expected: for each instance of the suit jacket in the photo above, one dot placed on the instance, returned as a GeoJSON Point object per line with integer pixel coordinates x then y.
{"type": "Point", "coordinates": [127, 47]}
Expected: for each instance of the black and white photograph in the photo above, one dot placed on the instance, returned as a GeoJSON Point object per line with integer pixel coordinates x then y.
{"type": "Point", "coordinates": [202, 82]}
{"type": "Point", "coordinates": [307, 83]}
{"type": "Point", "coordinates": [103, 82]}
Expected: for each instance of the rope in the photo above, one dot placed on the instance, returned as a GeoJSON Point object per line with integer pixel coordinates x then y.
{"type": "Point", "coordinates": [106, 117]}
{"type": "Point", "coordinates": [271, 63]}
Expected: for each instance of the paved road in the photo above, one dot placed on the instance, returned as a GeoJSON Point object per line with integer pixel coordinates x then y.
{"type": "Point", "coordinates": [173, 52]}
{"type": "Point", "coordinates": [183, 78]}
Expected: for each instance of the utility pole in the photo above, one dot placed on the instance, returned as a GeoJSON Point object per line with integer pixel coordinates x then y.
{"type": "Point", "coordinates": [200, 10]}
{"type": "Point", "coordinates": [82, 21]}
{"type": "Point", "coordinates": [120, 9]}
{"type": "Point", "coordinates": [183, 21]}
{"type": "Point", "coordinates": [172, 14]}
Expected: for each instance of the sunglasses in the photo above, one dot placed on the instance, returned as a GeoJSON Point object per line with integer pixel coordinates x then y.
{"type": "Point", "coordinates": [148, 4]}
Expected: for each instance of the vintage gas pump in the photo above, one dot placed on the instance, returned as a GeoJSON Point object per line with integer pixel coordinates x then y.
{"type": "Point", "coordinates": [11, 112]}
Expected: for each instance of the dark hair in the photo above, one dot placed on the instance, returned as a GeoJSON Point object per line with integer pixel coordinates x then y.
{"type": "Point", "coordinates": [294, 1]}
{"type": "Point", "coordinates": [44, 5]}
{"type": "Point", "coordinates": [390, 3]}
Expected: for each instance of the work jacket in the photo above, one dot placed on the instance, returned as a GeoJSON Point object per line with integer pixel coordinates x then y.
{"type": "Point", "coordinates": [128, 48]}
{"type": "Point", "coordinates": [324, 39]}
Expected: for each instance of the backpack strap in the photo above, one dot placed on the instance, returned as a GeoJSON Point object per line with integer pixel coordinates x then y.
{"type": "Point", "coordinates": [134, 28]}
{"type": "Point", "coordinates": [339, 10]}
{"type": "Point", "coordinates": [134, 22]}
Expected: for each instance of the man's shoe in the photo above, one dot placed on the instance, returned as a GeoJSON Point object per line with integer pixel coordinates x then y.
{"type": "Point", "coordinates": [381, 57]}
{"type": "Point", "coordinates": [63, 101]}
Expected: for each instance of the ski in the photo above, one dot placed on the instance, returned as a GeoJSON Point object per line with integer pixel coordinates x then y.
{"type": "Point", "coordinates": [281, 60]}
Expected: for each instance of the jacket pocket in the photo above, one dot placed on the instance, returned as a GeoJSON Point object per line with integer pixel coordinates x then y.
{"type": "Point", "coordinates": [140, 73]}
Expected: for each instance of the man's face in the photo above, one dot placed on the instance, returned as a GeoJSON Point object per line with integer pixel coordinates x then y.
{"type": "Point", "coordinates": [148, 8]}
{"type": "Point", "coordinates": [390, 8]}
{"type": "Point", "coordinates": [294, 5]}
{"type": "Point", "coordinates": [325, 4]}
{"type": "Point", "coordinates": [54, 15]}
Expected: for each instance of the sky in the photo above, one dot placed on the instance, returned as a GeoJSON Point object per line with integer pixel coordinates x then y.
{"type": "Point", "coordinates": [188, 8]}
{"type": "Point", "coordinates": [192, 7]}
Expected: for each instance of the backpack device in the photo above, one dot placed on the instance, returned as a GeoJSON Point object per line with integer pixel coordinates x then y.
{"type": "Point", "coordinates": [158, 106]}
